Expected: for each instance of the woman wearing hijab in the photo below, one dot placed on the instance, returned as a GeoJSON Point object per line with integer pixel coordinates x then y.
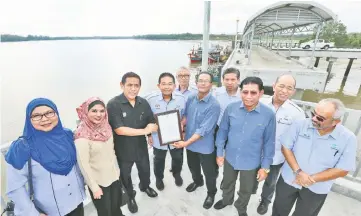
{"type": "Point", "coordinates": [49, 149]}
{"type": "Point", "coordinates": [96, 156]}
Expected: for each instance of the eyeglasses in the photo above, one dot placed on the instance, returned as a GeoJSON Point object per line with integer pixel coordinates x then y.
{"type": "Point", "coordinates": [253, 93]}
{"type": "Point", "coordinates": [38, 117]}
{"type": "Point", "coordinates": [318, 117]}
{"type": "Point", "coordinates": [183, 76]}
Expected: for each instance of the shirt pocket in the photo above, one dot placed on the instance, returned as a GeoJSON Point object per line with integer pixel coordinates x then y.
{"type": "Point", "coordinates": [200, 117]}
{"type": "Point", "coordinates": [328, 156]}
{"type": "Point", "coordinates": [286, 120]}
{"type": "Point", "coordinates": [257, 132]}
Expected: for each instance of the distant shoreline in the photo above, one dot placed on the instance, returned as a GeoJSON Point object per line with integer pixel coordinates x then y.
{"type": "Point", "coordinates": [172, 37]}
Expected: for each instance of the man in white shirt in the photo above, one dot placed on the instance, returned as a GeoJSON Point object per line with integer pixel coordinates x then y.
{"type": "Point", "coordinates": [287, 112]}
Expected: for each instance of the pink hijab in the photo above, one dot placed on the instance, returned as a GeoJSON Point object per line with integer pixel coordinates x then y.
{"type": "Point", "coordinates": [89, 130]}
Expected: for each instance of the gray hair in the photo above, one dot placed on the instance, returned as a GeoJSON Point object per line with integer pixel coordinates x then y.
{"type": "Point", "coordinates": [286, 74]}
{"type": "Point", "coordinates": [182, 68]}
{"type": "Point", "coordinates": [339, 107]}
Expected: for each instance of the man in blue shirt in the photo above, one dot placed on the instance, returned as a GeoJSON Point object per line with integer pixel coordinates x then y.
{"type": "Point", "coordinates": [227, 94]}
{"type": "Point", "coordinates": [161, 101]}
{"type": "Point", "coordinates": [287, 112]}
{"type": "Point", "coordinates": [183, 78]}
{"type": "Point", "coordinates": [201, 114]}
{"type": "Point", "coordinates": [317, 151]}
{"type": "Point", "coordinates": [249, 126]}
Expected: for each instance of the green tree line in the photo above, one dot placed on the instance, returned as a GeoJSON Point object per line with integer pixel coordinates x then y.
{"type": "Point", "coordinates": [184, 36]}
{"type": "Point", "coordinates": [337, 32]}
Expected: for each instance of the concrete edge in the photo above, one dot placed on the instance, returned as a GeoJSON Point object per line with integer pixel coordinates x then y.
{"type": "Point", "coordinates": [349, 187]}
{"type": "Point", "coordinates": [348, 192]}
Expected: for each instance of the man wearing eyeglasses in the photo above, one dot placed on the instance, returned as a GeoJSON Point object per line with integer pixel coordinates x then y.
{"type": "Point", "coordinates": [183, 78]}
{"type": "Point", "coordinates": [201, 115]}
{"type": "Point", "coordinates": [249, 126]}
{"type": "Point", "coordinates": [317, 151]}
{"type": "Point", "coordinates": [286, 113]}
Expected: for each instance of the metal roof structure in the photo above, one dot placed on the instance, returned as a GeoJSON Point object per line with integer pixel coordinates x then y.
{"type": "Point", "coordinates": [287, 15]}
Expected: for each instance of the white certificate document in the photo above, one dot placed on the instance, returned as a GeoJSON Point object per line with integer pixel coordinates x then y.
{"type": "Point", "coordinates": [169, 128]}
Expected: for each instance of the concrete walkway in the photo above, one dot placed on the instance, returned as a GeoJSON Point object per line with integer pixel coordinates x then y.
{"type": "Point", "coordinates": [176, 201]}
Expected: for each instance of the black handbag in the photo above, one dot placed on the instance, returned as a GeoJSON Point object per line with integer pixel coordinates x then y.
{"type": "Point", "coordinates": [11, 205]}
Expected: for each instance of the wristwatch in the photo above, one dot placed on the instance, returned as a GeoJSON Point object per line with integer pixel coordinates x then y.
{"type": "Point", "coordinates": [297, 171]}
{"type": "Point", "coordinates": [266, 170]}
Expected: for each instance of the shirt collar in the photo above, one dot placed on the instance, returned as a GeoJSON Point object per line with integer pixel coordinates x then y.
{"type": "Point", "coordinates": [160, 97]}
{"type": "Point", "coordinates": [123, 99]}
{"type": "Point", "coordinates": [284, 103]}
{"type": "Point", "coordinates": [237, 94]}
{"type": "Point", "coordinates": [334, 134]}
{"type": "Point", "coordinates": [206, 98]}
{"type": "Point", "coordinates": [187, 89]}
{"type": "Point", "coordinates": [257, 108]}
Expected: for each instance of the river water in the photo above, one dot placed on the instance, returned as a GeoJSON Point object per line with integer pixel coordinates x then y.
{"type": "Point", "coordinates": [68, 72]}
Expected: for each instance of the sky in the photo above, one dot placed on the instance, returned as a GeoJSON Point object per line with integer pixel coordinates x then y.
{"type": "Point", "coordinates": [134, 17]}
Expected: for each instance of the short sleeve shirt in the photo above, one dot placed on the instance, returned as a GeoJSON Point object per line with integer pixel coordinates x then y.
{"type": "Point", "coordinates": [123, 114]}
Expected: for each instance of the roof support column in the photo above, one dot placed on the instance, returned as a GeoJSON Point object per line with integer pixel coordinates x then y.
{"type": "Point", "coordinates": [250, 46]}
{"type": "Point", "coordinates": [290, 45]}
{"type": "Point", "coordinates": [206, 21]}
{"type": "Point", "coordinates": [273, 36]}
{"type": "Point", "coordinates": [314, 44]}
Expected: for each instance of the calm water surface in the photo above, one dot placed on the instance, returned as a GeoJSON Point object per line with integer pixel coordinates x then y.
{"type": "Point", "coordinates": [69, 72]}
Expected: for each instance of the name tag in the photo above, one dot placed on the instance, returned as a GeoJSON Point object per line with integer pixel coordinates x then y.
{"type": "Point", "coordinates": [305, 135]}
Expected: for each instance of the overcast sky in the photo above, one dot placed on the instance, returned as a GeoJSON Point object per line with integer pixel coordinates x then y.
{"type": "Point", "coordinates": [115, 18]}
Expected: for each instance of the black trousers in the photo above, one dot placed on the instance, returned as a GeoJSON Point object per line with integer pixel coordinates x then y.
{"type": "Point", "coordinates": [79, 211]}
{"type": "Point", "coordinates": [215, 147]}
{"type": "Point", "coordinates": [269, 186]}
{"type": "Point", "coordinates": [208, 163]}
{"type": "Point", "coordinates": [308, 203]}
{"type": "Point", "coordinates": [159, 161]}
{"type": "Point", "coordinates": [247, 179]}
{"type": "Point", "coordinates": [143, 173]}
{"type": "Point", "coordinates": [109, 203]}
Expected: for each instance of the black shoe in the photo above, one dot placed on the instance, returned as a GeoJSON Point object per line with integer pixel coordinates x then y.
{"type": "Point", "coordinates": [208, 202]}
{"type": "Point", "coordinates": [263, 207]}
{"type": "Point", "coordinates": [178, 180]}
{"type": "Point", "coordinates": [150, 192]}
{"type": "Point", "coordinates": [132, 205]}
{"type": "Point", "coordinates": [219, 205]}
{"type": "Point", "coordinates": [243, 214]}
{"type": "Point", "coordinates": [193, 186]}
{"type": "Point", "coordinates": [159, 184]}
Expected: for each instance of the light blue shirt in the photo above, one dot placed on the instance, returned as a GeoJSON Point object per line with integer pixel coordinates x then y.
{"type": "Point", "coordinates": [224, 99]}
{"type": "Point", "coordinates": [286, 114]}
{"type": "Point", "coordinates": [201, 118]}
{"type": "Point", "coordinates": [250, 134]}
{"type": "Point", "coordinates": [54, 194]}
{"type": "Point", "coordinates": [191, 90]}
{"type": "Point", "coordinates": [158, 105]}
{"type": "Point", "coordinates": [315, 153]}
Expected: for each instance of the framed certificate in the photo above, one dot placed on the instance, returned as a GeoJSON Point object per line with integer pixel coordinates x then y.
{"type": "Point", "coordinates": [169, 127]}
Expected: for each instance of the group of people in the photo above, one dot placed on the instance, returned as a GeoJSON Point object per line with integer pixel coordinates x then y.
{"type": "Point", "coordinates": [258, 138]}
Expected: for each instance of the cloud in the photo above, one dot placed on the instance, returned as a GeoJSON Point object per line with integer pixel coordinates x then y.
{"type": "Point", "coordinates": [114, 17]}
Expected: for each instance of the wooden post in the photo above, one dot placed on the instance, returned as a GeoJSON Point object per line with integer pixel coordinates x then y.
{"type": "Point", "coordinates": [348, 68]}
{"type": "Point", "coordinates": [317, 61]}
